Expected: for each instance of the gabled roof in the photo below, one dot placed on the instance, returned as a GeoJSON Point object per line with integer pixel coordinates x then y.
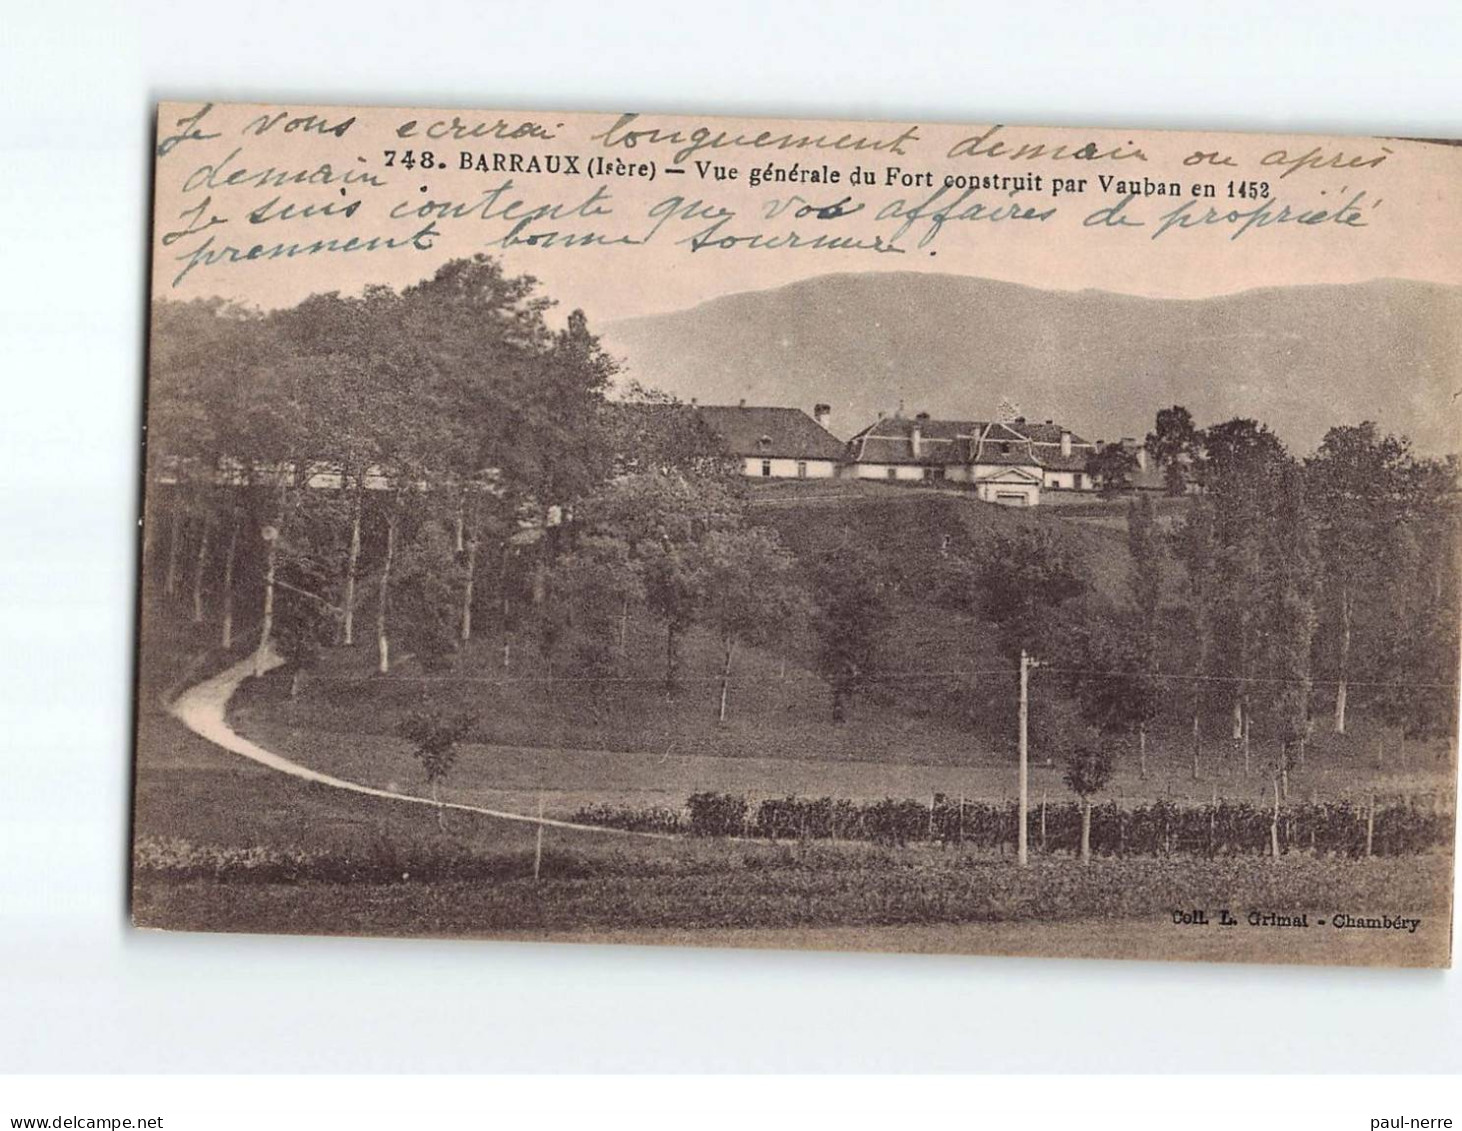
{"type": "Point", "coordinates": [788, 433]}
{"type": "Point", "coordinates": [1012, 475]}
{"type": "Point", "coordinates": [945, 442]}
{"type": "Point", "coordinates": [1052, 459]}
{"type": "Point", "coordinates": [890, 440]}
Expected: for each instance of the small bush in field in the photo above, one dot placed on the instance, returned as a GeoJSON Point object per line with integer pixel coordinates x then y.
{"type": "Point", "coordinates": [434, 740]}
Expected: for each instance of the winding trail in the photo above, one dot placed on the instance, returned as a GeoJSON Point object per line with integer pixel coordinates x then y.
{"type": "Point", "coordinates": [203, 709]}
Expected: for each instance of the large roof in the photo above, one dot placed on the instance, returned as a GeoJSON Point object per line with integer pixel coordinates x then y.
{"type": "Point", "coordinates": [944, 442]}
{"type": "Point", "coordinates": [788, 433]}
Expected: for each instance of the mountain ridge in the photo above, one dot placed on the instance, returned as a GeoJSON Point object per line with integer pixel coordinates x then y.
{"type": "Point", "coordinates": [1298, 358]}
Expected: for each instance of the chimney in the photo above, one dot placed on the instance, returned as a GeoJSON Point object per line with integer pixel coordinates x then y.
{"type": "Point", "coordinates": [822, 413]}
{"type": "Point", "coordinates": [1065, 442]}
{"type": "Point", "coordinates": [1142, 457]}
{"type": "Point", "coordinates": [741, 403]}
{"type": "Point", "coordinates": [916, 435]}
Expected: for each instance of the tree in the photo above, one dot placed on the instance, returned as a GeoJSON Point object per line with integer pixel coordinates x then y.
{"type": "Point", "coordinates": [1115, 685]}
{"type": "Point", "coordinates": [1111, 468]}
{"type": "Point", "coordinates": [1416, 602]}
{"type": "Point", "coordinates": [423, 607]}
{"type": "Point", "coordinates": [751, 593]}
{"type": "Point", "coordinates": [1176, 446]}
{"type": "Point", "coordinates": [359, 390]}
{"type": "Point", "coordinates": [1357, 483]}
{"type": "Point", "coordinates": [1194, 543]}
{"type": "Point", "coordinates": [301, 628]}
{"type": "Point", "coordinates": [663, 519]}
{"type": "Point", "coordinates": [851, 614]}
{"type": "Point", "coordinates": [305, 563]}
{"type": "Point", "coordinates": [1287, 637]}
{"type": "Point", "coordinates": [1145, 585]}
{"type": "Point", "coordinates": [579, 619]}
{"type": "Point", "coordinates": [1089, 768]}
{"type": "Point", "coordinates": [224, 421]}
{"type": "Point", "coordinates": [434, 740]}
{"type": "Point", "coordinates": [1244, 464]}
{"type": "Point", "coordinates": [651, 431]}
{"type": "Point", "coordinates": [1024, 580]}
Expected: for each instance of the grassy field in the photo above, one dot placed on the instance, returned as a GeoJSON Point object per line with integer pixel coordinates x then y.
{"type": "Point", "coordinates": [514, 776]}
{"type": "Point", "coordinates": [214, 831]}
{"type": "Point", "coordinates": [871, 898]}
{"type": "Point", "coordinates": [940, 718]}
{"type": "Point", "coordinates": [226, 844]}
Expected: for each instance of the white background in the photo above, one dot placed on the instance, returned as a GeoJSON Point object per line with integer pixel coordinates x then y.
{"type": "Point", "coordinates": [79, 991]}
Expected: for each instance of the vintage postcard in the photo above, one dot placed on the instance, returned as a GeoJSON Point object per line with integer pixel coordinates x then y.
{"type": "Point", "coordinates": [914, 536]}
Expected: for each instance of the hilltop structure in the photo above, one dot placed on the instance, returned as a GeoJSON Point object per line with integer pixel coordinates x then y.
{"type": "Point", "coordinates": [1009, 463]}
{"type": "Point", "coordinates": [776, 443]}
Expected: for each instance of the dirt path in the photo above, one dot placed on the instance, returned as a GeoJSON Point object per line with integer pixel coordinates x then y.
{"type": "Point", "coordinates": [203, 709]}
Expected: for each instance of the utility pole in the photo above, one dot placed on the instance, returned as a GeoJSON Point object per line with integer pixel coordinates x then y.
{"type": "Point", "coordinates": [1022, 847]}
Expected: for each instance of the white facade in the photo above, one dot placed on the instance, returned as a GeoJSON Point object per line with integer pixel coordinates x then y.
{"type": "Point", "coordinates": [1009, 486]}
{"type": "Point", "coordinates": [893, 472]}
{"type": "Point", "coordinates": [776, 467]}
{"type": "Point", "coordinates": [909, 473]}
{"type": "Point", "coordinates": [1068, 480]}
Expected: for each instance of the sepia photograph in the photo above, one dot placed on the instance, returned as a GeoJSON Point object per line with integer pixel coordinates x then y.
{"type": "Point", "coordinates": [801, 535]}
{"type": "Point", "coordinates": [579, 564]}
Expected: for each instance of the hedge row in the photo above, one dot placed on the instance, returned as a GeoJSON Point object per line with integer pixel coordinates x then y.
{"type": "Point", "coordinates": [1161, 828]}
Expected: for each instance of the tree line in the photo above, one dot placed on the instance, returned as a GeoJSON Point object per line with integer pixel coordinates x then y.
{"type": "Point", "coordinates": [393, 467]}
{"type": "Point", "coordinates": [1290, 593]}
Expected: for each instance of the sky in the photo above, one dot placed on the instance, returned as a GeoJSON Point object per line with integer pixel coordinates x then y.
{"type": "Point", "coordinates": [238, 185]}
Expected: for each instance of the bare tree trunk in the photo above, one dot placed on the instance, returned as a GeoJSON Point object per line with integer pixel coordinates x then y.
{"type": "Point", "coordinates": [461, 523]}
{"type": "Point", "coordinates": [469, 587]}
{"type": "Point", "coordinates": [1086, 830]}
{"type": "Point", "coordinates": [1238, 719]}
{"type": "Point", "coordinates": [672, 659]}
{"type": "Point", "coordinates": [1142, 750]}
{"type": "Point", "coordinates": [540, 576]}
{"type": "Point", "coordinates": [436, 796]}
{"type": "Point", "coordinates": [266, 631]}
{"type": "Point", "coordinates": [175, 538]}
{"type": "Point", "coordinates": [1341, 689]}
{"type": "Point", "coordinates": [383, 644]}
{"type": "Point", "coordinates": [1197, 744]}
{"type": "Point", "coordinates": [623, 625]}
{"type": "Point", "coordinates": [1284, 770]}
{"type": "Point", "coordinates": [227, 637]}
{"type": "Point", "coordinates": [352, 565]}
{"type": "Point", "coordinates": [1274, 824]}
{"type": "Point", "coordinates": [726, 676]}
{"type": "Point", "coordinates": [1246, 742]}
{"type": "Point", "coordinates": [507, 597]}
{"type": "Point", "coordinates": [200, 566]}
